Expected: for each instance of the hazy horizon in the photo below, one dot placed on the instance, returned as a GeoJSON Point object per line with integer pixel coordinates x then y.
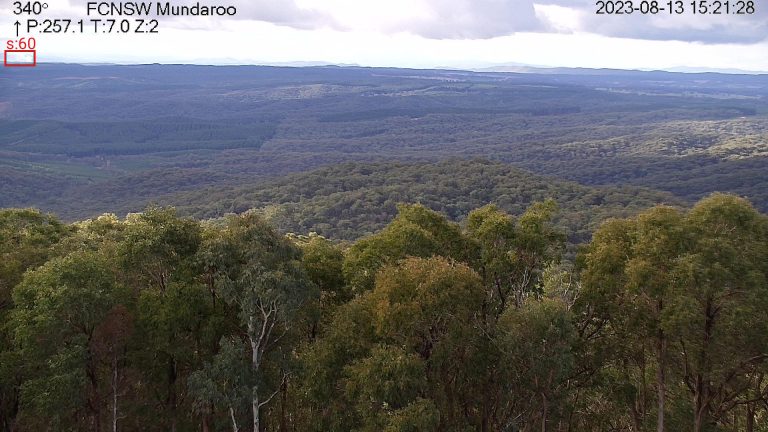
{"type": "Point", "coordinates": [459, 34]}
{"type": "Point", "coordinates": [491, 68]}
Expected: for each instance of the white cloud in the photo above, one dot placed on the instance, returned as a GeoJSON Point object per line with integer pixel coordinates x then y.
{"type": "Point", "coordinates": [479, 19]}
{"type": "Point", "coordinates": [560, 19]}
{"type": "Point", "coordinates": [434, 19]}
{"type": "Point", "coordinates": [418, 33]}
{"type": "Point", "coordinates": [485, 19]}
{"type": "Point", "coordinates": [473, 19]}
{"type": "Point", "coordinates": [688, 26]}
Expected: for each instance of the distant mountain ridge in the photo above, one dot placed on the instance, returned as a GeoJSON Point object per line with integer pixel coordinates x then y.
{"type": "Point", "coordinates": [81, 139]}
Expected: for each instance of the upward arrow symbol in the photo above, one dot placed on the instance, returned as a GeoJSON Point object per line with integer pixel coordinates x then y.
{"type": "Point", "coordinates": [17, 24]}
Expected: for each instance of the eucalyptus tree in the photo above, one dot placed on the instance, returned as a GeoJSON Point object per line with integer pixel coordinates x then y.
{"type": "Point", "coordinates": [717, 313]}
{"type": "Point", "coordinates": [258, 273]}
{"type": "Point", "coordinates": [28, 238]}
{"type": "Point", "coordinates": [69, 326]}
{"type": "Point", "coordinates": [511, 254]}
{"type": "Point", "coordinates": [691, 289]}
{"type": "Point", "coordinates": [156, 253]}
{"type": "Point", "coordinates": [415, 232]}
{"type": "Point", "coordinates": [636, 279]}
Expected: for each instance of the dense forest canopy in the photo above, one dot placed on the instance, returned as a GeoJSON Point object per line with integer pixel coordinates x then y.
{"type": "Point", "coordinates": [351, 200]}
{"type": "Point", "coordinates": [159, 322]}
{"type": "Point", "coordinates": [189, 248]}
{"type": "Point", "coordinates": [83, 140]}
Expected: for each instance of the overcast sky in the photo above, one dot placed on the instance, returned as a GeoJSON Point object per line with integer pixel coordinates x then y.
{"type": "Point", "coordinates": [424, 33]}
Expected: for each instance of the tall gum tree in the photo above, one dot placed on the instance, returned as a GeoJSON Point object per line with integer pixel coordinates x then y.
{"type": "Point", "coordinates": [717, 313]}
{"type": "Point", "coordinates": [28, 238]}
{"type": "Point", "coordinates": [62, 310]}
{"type": "Point", "coordinates": [692, 285]}
{"type": "Point", "coordinates": [416, 232]}
{"type": "Point", "coordinates": [259, 273]}
{"type": "Point", "coordinates": [511, 254]}
{"type": "Point", "coordinates": [156, 252]}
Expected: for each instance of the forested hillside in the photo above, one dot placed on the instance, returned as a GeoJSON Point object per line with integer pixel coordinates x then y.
{"type": "Point", "coordinates": [351, 200]}
{"type": "Point", "coordinates": [199, 248]}
{"type": "Point", "coordinates": [158, 322]}
{"type": "Point", "coordinates": [113, 138]}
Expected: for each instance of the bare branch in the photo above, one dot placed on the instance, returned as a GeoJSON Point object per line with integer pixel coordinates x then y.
{"type": "Point", "coordinates": [261, 404]}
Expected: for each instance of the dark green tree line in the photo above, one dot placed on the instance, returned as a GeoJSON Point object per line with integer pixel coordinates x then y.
{"type": "Point", "coordinates": [158, 322]}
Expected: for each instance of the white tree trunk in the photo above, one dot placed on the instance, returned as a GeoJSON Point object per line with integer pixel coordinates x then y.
{"type": "Point", "coordinates": [255, 343]}
{"type": "Point", "coordinates": [234, 420]}
{"type": "Point", "coordinates": [256, 406]}
{"type": "Point", "coordinates": [114, 394]}
{"type": "Point", "coordinates": [661, 381]}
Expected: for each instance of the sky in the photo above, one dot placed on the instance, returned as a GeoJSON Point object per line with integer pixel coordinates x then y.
{"type": "Point", "coordinates": [469, 34]}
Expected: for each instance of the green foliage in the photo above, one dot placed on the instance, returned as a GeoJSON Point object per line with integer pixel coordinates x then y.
{"type": "Point", "coordinates": [71, 144]}
{"type": "Point", "coordinates": [537, 343]}
{"type": "Point", "coordinates": [323, 262]}
{"type": "Point", "coordinates": [157, 322]}
{"type": "Point", "coordinates": [83, 139]}
{"type": "Point", "coordinates": [224, 381]}
{"type": "Point", "coordinates": [416, 231]}
{"type": "Point", "coordinates": [692, 282]}
{"type": "Point", "coordinates": [349, 336]}
{"type": "Point", "coordinates": [255, 266]}
{"type": "Point", "coordinates": [60, 307]}
{"type": "Point", "coordinates": [156, 242]}
{"type": "Point", "coordinates": [26, 241]}
{"type": "Point", "coordinates": [353, 200]}
{"type": "Point", "coordinates": [419, 416]}
{"type": "Point", "coordinates": [719, 302]}
{"type": "Point", "coordinates": [382, 384]}
{"type": "Point", "coordinates": [419, 301]}
{"type": "Point", "coordinates": [258, 273]}
{"type": "Point", "coordinates": [176, 324]}
{"type": "Point", "coordinates": [512, 255]}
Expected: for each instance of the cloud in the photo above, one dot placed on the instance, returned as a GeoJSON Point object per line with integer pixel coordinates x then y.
{"type": "Point", "coordinates": [477, 19]}
{"type": "Point", "coordinates": [485, 19]}
{"type": "Point", "coordinates": [704, 29]}
{"type": "Point", "coordinates": [282, 12]}
{"type": "Point", "coordinates": [431, 19]}
{"type": "Point", "coordinates": [279, 12]}
{"type": "Point", "coordinates": [686, 27]}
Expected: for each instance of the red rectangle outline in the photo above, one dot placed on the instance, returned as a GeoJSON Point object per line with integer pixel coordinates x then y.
{"type": "Point", "coordinates": [34, 59]}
